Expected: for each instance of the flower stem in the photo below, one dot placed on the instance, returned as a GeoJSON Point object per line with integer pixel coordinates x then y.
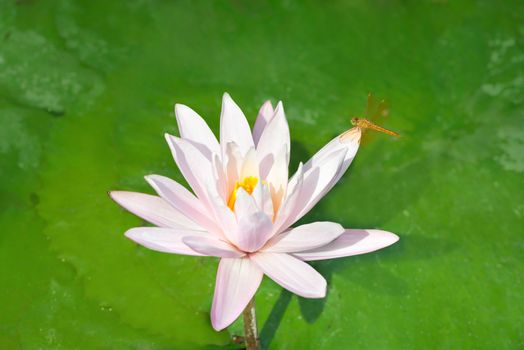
{"type": "Point", "coordinates": [250, 327]}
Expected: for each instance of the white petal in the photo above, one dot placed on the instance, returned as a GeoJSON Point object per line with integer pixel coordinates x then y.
{"type": "Point", "coordinates": [250, 165]}
{"type": "Point", "coordinates": [350, 141]}
{"type": "Point", "coordinates": [164, 239]}
{"type": "Point", "coordinates": [233, 164]}
{"type": "Point", "coordinates": [264, 116]}
{"type": "Point", "coordinates": [278, 177]}
{"type": "Point", "coordinates": [317, 182]}
{"type": "Point", "coordinates": [347, 143]}
{"type": "Point", "coordinates": [234, 126]}
{"type": "Point", "coordinates": [284, 216]}
{"type": "Point", "coordinates": [192, 127]}
{"type": "Point", "coordinates": [351, 242]}
{"type": "Point", "coordinates": [236, 284]}
{"type": "Point", "coordinates": [304, 237]}
{"type": "Point", "coordinates": [245, 204]}
{"type": "Point", "coordinates": [224, 217]}
{"type": "Point", "coordinates": [253, 231]}
{"type": "Point", "coordinates": [201, 175]}
{"type": "Point", "coordinates": [292, 274]}
{"type": "Point", "coordinates": [219, 174]}
{"type": "Point", "coordinates": [262, 197]}
{"type": "Point", "coordinates": [153, 209]}
{"type": "Point", "coordinates": [212, 246]}
{"type": "Point", "coordinates": [196, 168]}
{"type": "Point", "coordinates": [183, 200]}
{"type": "Point", "coordinates": [274, 137]}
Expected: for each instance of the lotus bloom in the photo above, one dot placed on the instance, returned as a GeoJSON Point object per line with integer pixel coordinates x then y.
{"type": "Point", "coordinates": [242, 206]}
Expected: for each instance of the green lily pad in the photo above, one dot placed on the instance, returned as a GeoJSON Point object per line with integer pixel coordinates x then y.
{"type": "Point", "coordinates": [86, 93]}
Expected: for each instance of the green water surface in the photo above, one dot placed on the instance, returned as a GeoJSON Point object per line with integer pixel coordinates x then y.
{"type": "Point", "coordinates": [86, 93]}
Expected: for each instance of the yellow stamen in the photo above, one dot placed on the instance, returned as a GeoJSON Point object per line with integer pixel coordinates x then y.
{"type": "Point", "coordinates": [248, 184]}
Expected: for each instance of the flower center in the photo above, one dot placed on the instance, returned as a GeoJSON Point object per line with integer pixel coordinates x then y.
{"type": "Point", "coordinates": [248, 184]}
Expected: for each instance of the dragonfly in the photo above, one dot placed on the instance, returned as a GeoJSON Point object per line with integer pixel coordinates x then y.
{"type": "Point", "coordinates": [374, 110]}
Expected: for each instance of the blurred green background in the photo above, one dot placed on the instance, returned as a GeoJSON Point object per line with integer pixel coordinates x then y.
{"type": "Point", "coordinates": [86, 93]}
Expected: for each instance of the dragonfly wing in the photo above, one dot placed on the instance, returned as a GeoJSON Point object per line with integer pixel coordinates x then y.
{"type": "Point", "coordinates": [382, 110]}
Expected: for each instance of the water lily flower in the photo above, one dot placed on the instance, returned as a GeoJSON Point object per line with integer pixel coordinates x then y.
{"type": "Point", "coordinates": [243, 205]}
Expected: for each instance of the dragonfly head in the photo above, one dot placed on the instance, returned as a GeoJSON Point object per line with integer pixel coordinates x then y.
{"type": "Point", "coordinates": [354, 121]}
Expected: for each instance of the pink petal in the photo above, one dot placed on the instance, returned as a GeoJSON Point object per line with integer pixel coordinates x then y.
{"type": "Point", "coordinates": [244, 207]}
{"type": "Point", "coordinates": [224, 217]}
{"type": "Point", "coordinates": [196, 168]}
{"type": "Point", "coordinates": [233, 163]}
{"type": "Point", "coordinates": [250, 165]}
{"type": "Point", "coordinates": [274, 137]}
{"type": "Point", "coordinates": [153, 209]}
{"type": "Point", "coordinates": [245, 204]}
{"type": "Point", "coordinates": [200, 174]}
{"type": "Point", "coordinates": [254, 226]}
{"type": "Point", "coordinates": [236, 284]}
{"type": "Point", "coordinates": [278, 177]}
{"type": "Point", "coordinates": [304, 237]}
{"type": "Point", "coordinates": [219, 174]}
{"type": "Point", "coordinates": [349, 141]}
{"type": "Point", "coordinates": [264, 116]}
{"type": "Point", "coordinates": [183, 200]}
{"type": "Point", "coordinates": [323, 171]}
{"type": "Point", "coordinates": [292, 274]}
{"type": "Point", "coordinates": [253, 231]}
{"type": "Point", "coordinates": [317, 181]}
{"type": "Point", "coordinates": [192, 127]}
{"type": "Point", "coordinates": [164, 239]}
{"type": "Point", "coordinates": [351, 242]}
{"type": "Point", "coordinates": [284, 216]}
{"type": "Point", "coordinates": [234, 126]}
{"type": "Point", "coordinates": [262, 197]}
{"type": "Point", "coordinates": [212, 246]}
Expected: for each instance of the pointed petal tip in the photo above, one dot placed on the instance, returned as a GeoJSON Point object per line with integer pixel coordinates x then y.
{"type": "Point", "coordinates": [279, 107]}
{"type": "Point", "coordinates": [172, 141]}
{"type": "Point", "coordinates": [218, 324]}
{"type": "Point", "coordinates": [351, 135]}
{"type": "Point", "coordinates": [384, 239]}
{"type": "Point", "coordinates": [151, 179]}
{"type": "Point", "coordinates": [131, 234]}
{"type": "Point", "coordinates": [179, 108]}
{"type": "Point", "coordinates": [320, 293]}
{"type": "Point", "coordinates": [114, 195]}
{"type": "Point", "coordinates": [267, 104]}
{"type": "Point", "coordinates": [394, 237]}
{"type": "Point", "coordinates": [388, 238]}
